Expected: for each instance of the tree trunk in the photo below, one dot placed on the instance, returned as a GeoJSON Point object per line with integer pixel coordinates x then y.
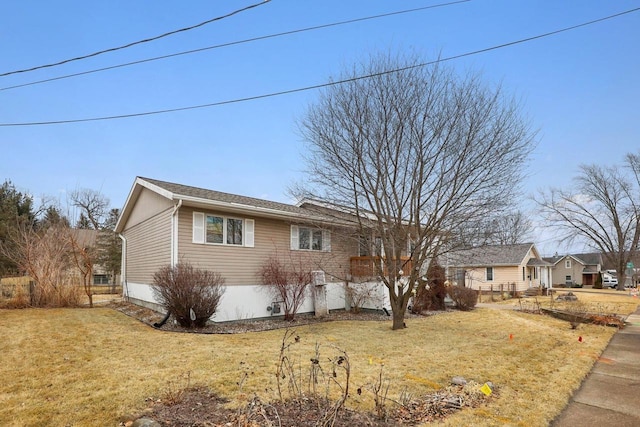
{"type": "Point", "coordinates": [398, 308]}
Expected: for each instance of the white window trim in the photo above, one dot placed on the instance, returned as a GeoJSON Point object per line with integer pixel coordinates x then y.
{"type": "Point", "coordinates": [567, 263]}
{"type": "Point", "coordinates": [295, 239]}
{"type": "Point", "coordinates": [200, 230]}
{"type": "Point", "coordinates": [486, 274]}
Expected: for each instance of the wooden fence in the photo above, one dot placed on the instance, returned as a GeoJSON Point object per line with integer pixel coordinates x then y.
{"type": "Point", "coordinates": [491, 290]}
{"type": "Point", "coordinates": [22, 288]}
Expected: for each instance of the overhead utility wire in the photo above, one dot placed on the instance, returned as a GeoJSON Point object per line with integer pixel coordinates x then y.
{"type": "Point", "coordinates": [78, 58]}
{"type": "Point", "coordinates": [318, 86]}
{"type": "Point", "coordinates": [187, 52]}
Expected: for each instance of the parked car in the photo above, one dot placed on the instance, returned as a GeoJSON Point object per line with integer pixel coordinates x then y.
{"type": "Point", "coordinates": [609, 281]}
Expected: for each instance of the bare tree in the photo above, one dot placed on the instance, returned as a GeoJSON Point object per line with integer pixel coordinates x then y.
{"type": "Point", "coordinates": [602, 209]}
{"type": "Point", "coordinates": [93, 207]}
{"type": "Point", "coordinates": [109, 246]}
{"type": "Point", "coordinates": [510, 228]}
{"type": "Point", "coordinates": [83, 255]}
{"type": "Point", "coordinates": [417, 151]}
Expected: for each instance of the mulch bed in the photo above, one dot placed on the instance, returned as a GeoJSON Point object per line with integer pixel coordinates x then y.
{"type": "Point", "coordinates": [151, 317]}
{"type": "Point", "coordinates": [200, 407]}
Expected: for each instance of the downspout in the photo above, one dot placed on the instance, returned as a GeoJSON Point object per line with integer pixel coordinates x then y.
{"type": "Point", "coordinates": [174, 233]}
{"type": "Point", "coordinates": [123, 267]}
{"type": "Point", "coordinates": [174, 252]}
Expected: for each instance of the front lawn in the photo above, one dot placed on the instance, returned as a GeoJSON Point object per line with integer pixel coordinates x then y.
{"type": "Point", "coordinates": [88, 367]}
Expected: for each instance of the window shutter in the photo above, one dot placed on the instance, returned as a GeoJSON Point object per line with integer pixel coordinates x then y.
{"type": "Point", "coordinates": [326, 240]}
{"type": "Point", "coordinates": [294, 238]}
{"type": "Point", "coordinates": [198, 227]}
{"type": "Point", "coordinates": [249, 226]}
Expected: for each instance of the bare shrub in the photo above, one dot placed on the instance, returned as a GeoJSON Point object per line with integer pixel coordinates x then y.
{"type": "Point", "coordinates": [329, 372]}
{"type": "Point", "coordinates": [176, 389]}
{"type": "Point", "coordinates": [465, 298]}
{"type": "Point", "coordinates": [358, 294]}
{"type": "Point", "coordinates": [44, 255]}
{"type": "Point", "coordinates": [190, 294]}
{"type": "Point", "coordinates": [431, 293]}
{"type": "Point", "coordinates": [14, 296]}
{"type": "Point", "coordinates": [286, 282]}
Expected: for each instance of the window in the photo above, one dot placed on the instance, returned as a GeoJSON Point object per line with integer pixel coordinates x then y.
{"type": "Point", "coordinates": [489, 274]}
{"type": "Point", "coordinates": [524, 277]}
{"type": "Point", "coordinates": [567, 263]}
{"type": "Point", "coordinates": [100, 279]}
{"type": "Point", "coordinates": [215, 232]}
{"type": "Point", "coordinates": [221, 230]}
{"type": "Point", "coordinates": [234, 231]}
{"type": "Point", "coordinates": [567, 279]}
{"type": "Point", "coordinates": [310, 239]}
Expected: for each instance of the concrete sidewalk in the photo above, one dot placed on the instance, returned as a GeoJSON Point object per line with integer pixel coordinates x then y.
{"type": "Point", "coordinates": [610, 395]}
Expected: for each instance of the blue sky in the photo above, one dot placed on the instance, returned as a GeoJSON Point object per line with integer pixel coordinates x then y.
{"type": "Point", "coordinates": [580, 88]}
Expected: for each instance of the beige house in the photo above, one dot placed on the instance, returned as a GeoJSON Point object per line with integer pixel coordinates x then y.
{"type": "Point", "coordinates": [163, 223]}
{"type": "Point", "coordinates": [506, 265]}
{"type": "Point", "coordinates": [576, 269]}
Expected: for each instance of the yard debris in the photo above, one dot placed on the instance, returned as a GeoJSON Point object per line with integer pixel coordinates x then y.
{"type": "Point", "coordinates": [201, 406]}
{"type": "Point", "coordinates": [459, 381]}
{"type": "Point", "coordinates": [567, 297]}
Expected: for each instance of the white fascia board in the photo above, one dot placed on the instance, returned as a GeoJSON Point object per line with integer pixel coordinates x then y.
{"type": "Point", "coordinates": [240, 208]}
{"type": "Point", "coordinates": [136, 188]}
{"type": "Point", "coordinates": [161, 191]}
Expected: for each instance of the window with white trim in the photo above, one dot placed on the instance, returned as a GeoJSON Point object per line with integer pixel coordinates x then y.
{"type": "Point", "coordinates": [489, 274]}
{"type": "Point", "coordinates": [310, 239]}
{"type": "Point", "coordinates": [567, 263]}
{"type": "Point", "coordinates": [222, 230]}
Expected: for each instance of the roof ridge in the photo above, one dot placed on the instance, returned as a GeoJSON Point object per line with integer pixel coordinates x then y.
{"type": "Point", "coordinates": [159, 182]}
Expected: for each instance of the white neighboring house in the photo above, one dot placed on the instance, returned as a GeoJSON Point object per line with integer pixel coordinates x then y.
{"type": "Point", "coordinates": [163, 223]}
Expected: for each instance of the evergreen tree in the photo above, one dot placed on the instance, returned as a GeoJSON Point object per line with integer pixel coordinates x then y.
{"type": "Point", "coordinates": [109, 245]}
{"type": "Point", "coordinates": [15, 208]}
{"type": "Point", "coordinates": [83, 223]}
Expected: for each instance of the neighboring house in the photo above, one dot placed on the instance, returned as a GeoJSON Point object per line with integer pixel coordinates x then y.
{"type": "Point", "coordinates": [507, 265]}
{"type": "Point", "coordinates": [575, 269]}
{"type": "Point", "coordinates": [163, 223]}
{"type": "Point", "coordinates": [88, 239]}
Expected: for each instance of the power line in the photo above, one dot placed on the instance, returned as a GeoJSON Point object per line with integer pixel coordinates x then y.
{"type": "Point", "coordinates": [285, 33]}
{"type": "Point", "coordinates": [318, 86]}
{"type": "Point", "coordinates": [78, 58]}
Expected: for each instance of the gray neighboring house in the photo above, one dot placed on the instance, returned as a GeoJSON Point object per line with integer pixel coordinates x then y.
{"type": "Point", "coordinates": [575, 269]}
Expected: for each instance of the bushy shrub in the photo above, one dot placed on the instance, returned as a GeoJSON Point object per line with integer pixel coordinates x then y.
{"type": "Point", "coordinates": [598, 282]}
{"type": "Point", "coordinates": [430, 294]}
{"type": "Point", "coordinates": [465, 298]}
{"type": "Point", "coordinates": [190, 294]}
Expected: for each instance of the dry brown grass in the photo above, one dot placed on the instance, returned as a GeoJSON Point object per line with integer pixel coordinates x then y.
{"type": "Point", "coordinates": [87, 367]}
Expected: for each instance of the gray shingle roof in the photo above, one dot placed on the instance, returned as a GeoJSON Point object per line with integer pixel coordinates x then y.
{"type": "Point", "coordinates": [202, 193]}
{"type": "Point", "coordinates": [499, 255]}
{"type": "Point", "coordinates": [592, 258]}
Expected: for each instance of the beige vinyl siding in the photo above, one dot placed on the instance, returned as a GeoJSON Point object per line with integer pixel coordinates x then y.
{"type": "Point", "coordinates": [147, 205]}
{"type": "Point", "coordinates": [560, 272]}
{"type": "Point", "coordinates": [148, 247]}
{"type": "Point", "coordinates": [502, 275]}
{"type": "Point", "coordinates": [240, 265]}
